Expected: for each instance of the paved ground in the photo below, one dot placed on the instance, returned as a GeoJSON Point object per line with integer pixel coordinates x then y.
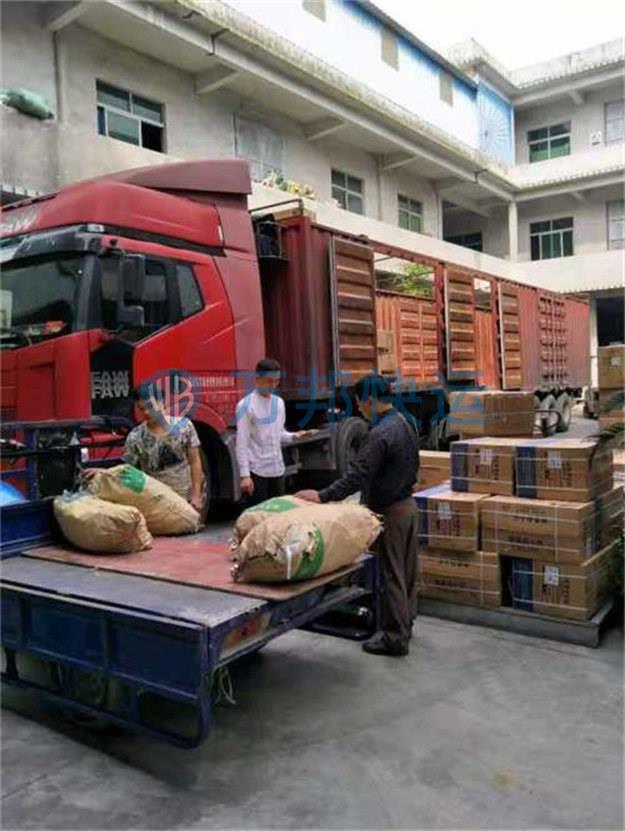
{"type": "Point", "coordinates": [476, 729]}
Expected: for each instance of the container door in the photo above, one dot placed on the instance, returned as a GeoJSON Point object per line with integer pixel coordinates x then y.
{"type": "Point", "coordinates": [508, 330]}
{"type": "Point", "coordinates": [460, 326]}
{"type": "Point", "coordinates": [487, 375]}
{"type": "Point", "coordinates": [578, 342]}
{"type": "Point", "coordinates": [552, 323]}
{"type": "Point", "coordinates": [352, 282]}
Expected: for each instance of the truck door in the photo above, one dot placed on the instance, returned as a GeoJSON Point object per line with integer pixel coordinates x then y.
{"type": "Point", "coordinates": [459, 320]}
{"type": "Point", "coordinates": [352, 293]}
{"type": "Point", "coordinates": [508, 332]}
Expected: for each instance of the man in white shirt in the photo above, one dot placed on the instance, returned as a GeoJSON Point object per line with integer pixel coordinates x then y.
{"type": "Point", "coordinates": [260, 435]}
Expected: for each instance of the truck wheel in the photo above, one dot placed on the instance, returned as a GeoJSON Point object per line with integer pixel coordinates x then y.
{"type": "Point", "coordinates": [547, 419]}
{"type": "Point", "coordinates": [350, 436]}
{"type": "Point", "coordinates": [565, 408]}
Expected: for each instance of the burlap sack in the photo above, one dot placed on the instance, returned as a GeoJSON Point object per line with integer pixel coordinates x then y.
{"type": "Point", "coordinates": [95, 525]}
{"type": "Point", "coordinates": [165, 512]}
{"type": "Point", "coordinates": [305, 542]}
{"type": "Point", "coordinates": [251, 517]}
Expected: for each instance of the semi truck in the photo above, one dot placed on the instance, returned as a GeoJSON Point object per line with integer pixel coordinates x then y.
{"type": "Point", "coordinates": [162, 275]}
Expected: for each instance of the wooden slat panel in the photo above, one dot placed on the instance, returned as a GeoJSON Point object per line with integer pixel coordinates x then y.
{"type": "Point", "coordinates": [412, 321]}
{"type": "Point", "coordinates": [354, 323]}
{"type": "Point", "coordinates": [509, 328]}
{"type": "Point", "coordinates": [460, 325]}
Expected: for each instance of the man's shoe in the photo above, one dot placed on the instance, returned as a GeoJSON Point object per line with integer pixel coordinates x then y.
{"type": "Point", "coordinates": [378, 645]}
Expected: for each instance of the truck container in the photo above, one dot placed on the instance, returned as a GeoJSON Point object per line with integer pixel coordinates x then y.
{"type": "Point", "coordinates": [161, 275]}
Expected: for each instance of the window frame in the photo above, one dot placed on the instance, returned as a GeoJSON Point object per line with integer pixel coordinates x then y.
{"type": "Point", "coordinates": [446, 87]}
{"type": "Point", "coordinates": [548, 139]}
{"type": "Point", "coordinates": [389, 48]}
{"type": "Point", "coordinates": [410, 211]}
{"type": "Point", "coordinates": [552, 233]}
{"type": "Point", "coordinates": [264, 168]}
{"type": "Point", "coordinates": [317, 8]}
{"type": "Point", "coordinates": [106, 108]}
{"type": "Point", "coordinates": [348, 191]}
{"type": "Point", "coordinates": [461, 240]}
{"type": "Point", "coordinates": [606, 120]}
{"type": "Point", "coordinates": [610, 220]}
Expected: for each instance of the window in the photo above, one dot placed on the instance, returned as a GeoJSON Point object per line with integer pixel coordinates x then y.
{"type": "Point", "coordinates": [473, 241]}
{"type": "Point", "coordinates": [616, 224]}
{"type": "Point", "coordinates": [348, 191]}
{"type": "Point", "coordinates": [190, 297]}
{"type": "Point", "coordinates": [389, 48]}
{"type": "Point", "coordinates": [446, 88]}
{"type": "Point", "coordinates": [316, 7]}
{"type": "Point", "coordinates": [410, 213]}
{"type": "Point", "coordinates": [260, 145]}
{"type": "Point", "coordinates": [614, 113]}
{"type": "Point", "coordinates": [155, 300]}
{"type": "Point", "coordinates": [549, 142]}
{"type": "Point", "coordinates": [128, 117]}
{"type": "Point", "coordinates": [551, 238]}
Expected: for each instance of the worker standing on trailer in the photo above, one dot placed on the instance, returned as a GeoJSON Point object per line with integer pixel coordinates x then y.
{"type": "Point", "coordinates": [384, 472]}
{"type": "Point", "coordinates": [260, 419]}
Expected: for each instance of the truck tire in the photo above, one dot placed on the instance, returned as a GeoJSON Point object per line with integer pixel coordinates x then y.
{"type": "Point", "coordinates": [565, 407]}
{"type": "Point", "coordinates": [546, 422]}
{"type": "Point", "coordinates": [350, 435]}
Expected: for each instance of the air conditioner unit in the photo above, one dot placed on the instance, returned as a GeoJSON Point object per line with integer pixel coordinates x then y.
{"type": "Point", "coordinates": [596, 138]}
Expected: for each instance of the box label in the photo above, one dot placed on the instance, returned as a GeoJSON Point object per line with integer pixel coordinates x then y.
{"type": "Point", "coordinates": [486, 456]}
{"type": "Point", "coordinates": [615, 360]}
{"type": "Point", "coordinates": [551, 576]}
{"type": "Point", "coordinates": [444, 510]}
{"type": "Point", "coordinates": [554, 460]}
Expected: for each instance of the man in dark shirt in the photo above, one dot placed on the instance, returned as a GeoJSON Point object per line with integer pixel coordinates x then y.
{"type": "Point", "coordinates": [384, 473]}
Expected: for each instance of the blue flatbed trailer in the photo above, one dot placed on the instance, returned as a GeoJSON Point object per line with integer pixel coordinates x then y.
{"type": "Point", "coordinates": [142, 652]}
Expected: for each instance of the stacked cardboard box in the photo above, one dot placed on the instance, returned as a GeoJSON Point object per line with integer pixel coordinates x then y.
{"type": "Point", "coordinates": [611, 385]}
{"type": "Point", "coordinates": [433, 468]}
{"type": "Point", "coordinates": [473, 578]}
{"type": "Point", "coordinates": [448, 520]}
{"type": "Point", "coordinates": [563, 590]}
{"type": "Point", "coordinates": [551, 531]}
{"type": "Point", "coordinates": [491, 413]}
{"type": "Point", "coordinates": [483, 465]}
{"type": "Point", "coordinates": [575, 470]}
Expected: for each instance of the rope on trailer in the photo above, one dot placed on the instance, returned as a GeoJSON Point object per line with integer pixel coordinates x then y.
{"type": "Point", "coordinates": [223, 688]}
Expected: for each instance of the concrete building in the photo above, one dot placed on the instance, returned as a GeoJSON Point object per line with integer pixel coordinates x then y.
{"type": "Point", "coordinates": [517, 173]}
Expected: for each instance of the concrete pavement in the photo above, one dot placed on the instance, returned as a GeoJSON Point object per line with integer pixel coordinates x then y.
{"type": "Point", "coordinates": [475, 729]}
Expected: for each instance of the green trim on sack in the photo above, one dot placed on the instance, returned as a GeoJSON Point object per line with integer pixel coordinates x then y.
{"type": "Point", "coordinates": [311, 561]}
{"type": "Point", "coordinates": [275, 505]}
{"type": "Point", "coordinates": [132, 478]}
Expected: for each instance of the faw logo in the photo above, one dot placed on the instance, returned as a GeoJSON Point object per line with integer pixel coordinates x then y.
{"type": "Point", "coordinates": [18, 220]}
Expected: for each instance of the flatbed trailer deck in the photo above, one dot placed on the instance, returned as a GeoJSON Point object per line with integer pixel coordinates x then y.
{"type": "Point", "coordinates": [143, 651]}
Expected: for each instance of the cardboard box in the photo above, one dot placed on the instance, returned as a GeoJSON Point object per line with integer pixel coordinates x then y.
{"type": "Point", "coordinates": [611, 408]}
{"type": "Point", "coordinates": [491, 413]}
{"type": "Point", "coordinates": [572, 470]}
{"type": "Point", "coordinates": [483, 465]}
{"type": "Point", "coordinates": [557, 532]}
{"type": "Point", "coordinates": [564, 590]}
{"type": "Point", "coordinates": [474, 579]}
{"type": "Point", "coordinates": [434, 468]}
{"type": "Point", "coordinates": [449, 520]}
{"type": "Point", "coordinates": [612, 367]}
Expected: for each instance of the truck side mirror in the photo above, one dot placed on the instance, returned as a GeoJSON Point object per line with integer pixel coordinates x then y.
{"type": "Point", "coordinates": [130, 311]}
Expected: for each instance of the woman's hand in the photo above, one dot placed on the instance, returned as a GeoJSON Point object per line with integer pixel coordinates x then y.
{"type": "Point", "coordinates": [89, 472]}
{"type": "Point", "coordinates": [247, 485]}
{"type": "Point", "coordinates": [196, 502]}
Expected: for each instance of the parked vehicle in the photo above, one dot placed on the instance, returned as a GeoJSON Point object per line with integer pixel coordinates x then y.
{"type": "Point", "coordinates": [161, 274]}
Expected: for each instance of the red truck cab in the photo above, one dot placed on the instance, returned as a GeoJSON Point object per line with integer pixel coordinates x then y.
{"type": "Point", "coordinates": [150, 274]}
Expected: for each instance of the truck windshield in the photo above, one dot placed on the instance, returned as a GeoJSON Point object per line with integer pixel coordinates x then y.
{"type": "Point", "coordinates": [38, 300]}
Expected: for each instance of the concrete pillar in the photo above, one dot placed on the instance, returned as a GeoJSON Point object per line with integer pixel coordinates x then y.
{"type": "Point", "coordinates": [513, 231]}
{"type": "Point", "coordinates": [594, 342]}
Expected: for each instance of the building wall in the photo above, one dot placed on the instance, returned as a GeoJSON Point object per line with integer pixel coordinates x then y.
{"type": "Point", "coordinates": [27, 55]}
{"type": "Point", "coordinates": [414, 85]}
{"type": "Point", "coordinates": [585, 119]}
{"type": "Point", "coordinates": [590, 223]}
{"type": "Point", "coordinates": [494, 229]}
